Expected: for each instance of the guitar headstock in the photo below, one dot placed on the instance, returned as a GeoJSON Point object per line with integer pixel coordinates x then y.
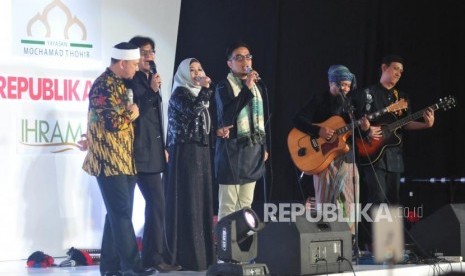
{"type": "Point", "coordinates": [447, 103]}
{"type": "Point", "coordinates": [399, 105]}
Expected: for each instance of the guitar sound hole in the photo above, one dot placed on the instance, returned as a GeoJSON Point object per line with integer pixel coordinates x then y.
{"type": "Point", "coordinates": [302, 151]}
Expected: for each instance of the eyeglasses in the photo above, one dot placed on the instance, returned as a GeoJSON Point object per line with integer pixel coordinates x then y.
{"type": "Point", "coordinates": [147, 52]}
{"type": "Point", "coordinates": [241, 57]}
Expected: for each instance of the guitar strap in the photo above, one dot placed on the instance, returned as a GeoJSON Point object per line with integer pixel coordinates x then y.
{"type": "Point", "coordinates": [369, 100]}
{"type": "Point", "coordinates": [394, 97]}
{"type": "Point", "coordinates": [396, 94]}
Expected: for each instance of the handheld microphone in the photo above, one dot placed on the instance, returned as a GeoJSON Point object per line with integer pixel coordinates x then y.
{"type": "Point", "coordinates": [153, 67]}
{"type": "Point", "coordinates": [249, 69]}
{"type": "Point", "coordinates": [199, 79]}
{"type": "Point", "coordinates": [130, 95]}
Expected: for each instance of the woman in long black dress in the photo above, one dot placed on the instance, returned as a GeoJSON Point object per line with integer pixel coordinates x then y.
{"type": "Point", "coordinates": [189, 210]}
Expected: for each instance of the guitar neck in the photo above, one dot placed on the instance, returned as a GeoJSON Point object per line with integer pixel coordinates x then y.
{"type": "Point", "coordinates": [409, 118]}
{"type": "Point", "coordinates": [357, 123]}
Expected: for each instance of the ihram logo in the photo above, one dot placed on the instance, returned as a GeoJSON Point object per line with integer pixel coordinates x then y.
{"type": "Point", "coordinates": [59, 136]}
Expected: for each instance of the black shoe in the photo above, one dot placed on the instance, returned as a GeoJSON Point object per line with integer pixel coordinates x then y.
{"type": "Point", "coordinates": [150, 269]}
{"type": "Point", "coordinates": [136, 273]}
{"type": "Point", "coordinates": [164, 267]}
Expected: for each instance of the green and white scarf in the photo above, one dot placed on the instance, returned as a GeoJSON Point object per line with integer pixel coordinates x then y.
{"type": "Point", "coordinates": [250, 122]}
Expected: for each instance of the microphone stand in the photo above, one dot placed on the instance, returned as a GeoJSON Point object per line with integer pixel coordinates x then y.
{"type": "Point", "coordinates": [347, 107]}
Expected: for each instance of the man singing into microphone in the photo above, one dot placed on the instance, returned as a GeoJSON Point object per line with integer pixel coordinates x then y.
{"type": "Point", "coordinates": [241, 145]}
{"type": "Point", "coordinates": [149, 154]}
{"type": "Point", "coordinates": [334, 184]}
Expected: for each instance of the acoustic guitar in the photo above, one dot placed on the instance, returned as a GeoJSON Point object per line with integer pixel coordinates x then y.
{"type": "Point", "coordinates": [370, 151]}
{"type": "Point", "coordinates": [312, 155]}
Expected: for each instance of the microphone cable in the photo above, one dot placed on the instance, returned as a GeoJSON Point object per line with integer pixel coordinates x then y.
{"type": "Point", "coordinates": [269, 138]}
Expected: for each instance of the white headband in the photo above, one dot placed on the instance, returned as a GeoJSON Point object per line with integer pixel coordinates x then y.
{"type": "Point", "coordinates": [125, 54]}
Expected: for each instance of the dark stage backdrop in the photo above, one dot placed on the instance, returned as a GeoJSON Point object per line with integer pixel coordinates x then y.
{"type": "Point", "coordinates": [295, 41]}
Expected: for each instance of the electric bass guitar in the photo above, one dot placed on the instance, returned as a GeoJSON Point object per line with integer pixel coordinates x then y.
{"type": "Point", "coordinates": [312, 155]}
{"type": "Point", "coordinates": [370, 151]}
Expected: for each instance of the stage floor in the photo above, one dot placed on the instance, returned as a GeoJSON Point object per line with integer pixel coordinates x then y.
{"type": "Point", "coordinates": [19, 268]}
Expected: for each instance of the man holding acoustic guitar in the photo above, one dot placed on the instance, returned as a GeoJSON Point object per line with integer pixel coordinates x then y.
{"type": "Point", "coordinates": [380, 153]}
{"type": "Point", "coordinates": [318, 143]}
{"type": "Point", "coordinates": [382, 167]}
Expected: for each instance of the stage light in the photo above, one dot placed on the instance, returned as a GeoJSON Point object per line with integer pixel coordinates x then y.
{"type": "Point", "coordinates": [235, 236]}
{"type": "Point", "coordinates": [237, 245]}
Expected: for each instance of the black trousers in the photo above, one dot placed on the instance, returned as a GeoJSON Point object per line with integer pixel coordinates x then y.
{"type": "Point", "coordinates": [151, 187]}
{"type": "Point", "coordinates": [119, 246]}
{"type": "Point", "coordinates": [383, 186]}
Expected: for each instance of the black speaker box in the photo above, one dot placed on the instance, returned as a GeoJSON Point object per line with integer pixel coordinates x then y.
{"type": "Point", "coordinates": [443, 231]}
{"type": "Point", "coordinates": [305, 248]}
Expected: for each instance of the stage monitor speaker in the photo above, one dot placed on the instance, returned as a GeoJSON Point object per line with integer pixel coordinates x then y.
{"type": "Point", "coordinates": [443, 231]}
{"type": "Point", "coordinates": [305, 248]}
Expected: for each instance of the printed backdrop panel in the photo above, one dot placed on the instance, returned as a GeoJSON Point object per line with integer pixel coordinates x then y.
{"type": "Point", "coordinates": [50, 53]}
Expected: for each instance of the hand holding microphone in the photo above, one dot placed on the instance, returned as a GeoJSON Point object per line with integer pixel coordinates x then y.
{"type": "Point", "coordinates": [155, 81]}
{"type": "Point", "coordinates": [252, 77]}
{"type": "Point", "coordinates": [153, 67]}
{"type": "Point", "coordinates": [203, 81]}
{"type": "Point", "coordinates": [130, 96]}
{"type": "Point", "coordinates": [133, 108]}
{"type": "Point", "coordinates": [249, 71]}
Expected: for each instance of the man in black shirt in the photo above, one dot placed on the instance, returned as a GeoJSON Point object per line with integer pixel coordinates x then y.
{"type": "Point", "coordinates": [149, 154]}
